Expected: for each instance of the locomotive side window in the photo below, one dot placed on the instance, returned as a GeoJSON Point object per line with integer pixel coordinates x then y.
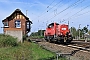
{"type": "Point", "coordinates": [57, 24]}
{"type": "Point", "coordinates": [50, 25]}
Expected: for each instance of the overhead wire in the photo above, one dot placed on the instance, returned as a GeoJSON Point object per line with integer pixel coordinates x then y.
{"type": "Point", "coordinates": [81, 14]}
{"type": "Point", "coordinates": [51, 7]}
{"type": "Point", "coordinates": [55, 10]}
{"type": "Point", "coordinates": [73, 8]}
{"type": "Point", "coordinates": [44, 12]}
{"type": "Point", "coordinates": [78, 12]}
{"type": "Point", "coordinates": [55, 5]}
{"type": "Point", "coordinates": [46, 8]}
{"type": "Point", "coordinates": [84, 13]}
{"type": "Point", "coordinates": [63, 4]}
{"type": "Point", "coordinates": [66, 8]}
{"type": "Point", "coordinates": [50, 4]}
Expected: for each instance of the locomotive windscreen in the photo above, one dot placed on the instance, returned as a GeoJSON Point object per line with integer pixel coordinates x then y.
{"type": "Point", "coordinates": [52, 24]}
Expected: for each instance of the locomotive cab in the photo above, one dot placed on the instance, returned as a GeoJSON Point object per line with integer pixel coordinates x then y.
{"type": "Point", "coordinates": [63, 33]}
{"type": "Point", "coordinates": [50, 32]}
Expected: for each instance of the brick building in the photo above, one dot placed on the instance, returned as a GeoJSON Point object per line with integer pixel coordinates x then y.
{"type": "Point", "coordinates": [17, 25]}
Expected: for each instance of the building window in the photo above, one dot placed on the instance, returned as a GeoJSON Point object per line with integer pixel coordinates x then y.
{"type": "Point", "coordinates": [6, 24]}
{"type": "Point", "coordinates": [28, 25]}
{"type": "Point", "coordinates": [18, 24]}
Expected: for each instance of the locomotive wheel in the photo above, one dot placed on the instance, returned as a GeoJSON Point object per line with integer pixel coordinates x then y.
{"type": "Point", "coordinates": [49, 40]}
{"type": "Point", "coordinates": [46, 38]}
{"type": "Point", "coordinates": [68, 41]}
{"type": "Point", "coordinates": [62, 41]}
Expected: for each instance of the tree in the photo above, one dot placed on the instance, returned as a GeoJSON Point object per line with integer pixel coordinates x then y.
{"type": "Point", "coordinates": [79, 33]}
{"type": "Point", "coordinates": [34, 34]}
{"type": "Point", "coordinates": [39, 33]}
{"type": "Point", "coordinates": [73, 31]}
{"type": "Point", "coordinates": [85, 29]}
{"type": "Point", "coordinates": [89, 32]}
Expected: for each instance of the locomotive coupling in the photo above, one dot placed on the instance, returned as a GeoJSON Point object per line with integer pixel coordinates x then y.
{"type": "Point", "coordinates": [65, 39]}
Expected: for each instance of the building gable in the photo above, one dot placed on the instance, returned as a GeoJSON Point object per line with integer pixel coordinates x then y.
{"type": "Point", "coordinates": [17, 23]}
{"type": "Point", "coordinates": [17, 14]}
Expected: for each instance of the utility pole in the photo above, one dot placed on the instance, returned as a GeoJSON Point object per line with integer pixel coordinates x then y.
{"type": "Point", "coordinates": [86, 38]}
{"type": "Point", "coordinates": [26, 12]}
{"type": "Point", "coordinates": [79, 31]}
{"type": "Point", "coordinates": [68, 24]}
{"type": "Point", "coordinates": [87, 26]}
{"type": "Point", "coordinates": [72, 30]}
{"type": "Point", "coordinates": [41, 31]}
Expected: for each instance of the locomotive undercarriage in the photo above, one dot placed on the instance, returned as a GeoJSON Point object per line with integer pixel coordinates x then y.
{"type": "Point", "coordinates": [49, 38]}
{"type": "Point", "coordinates": [59, 39]}
{"type": "Point", "coordinates": [64, 39]}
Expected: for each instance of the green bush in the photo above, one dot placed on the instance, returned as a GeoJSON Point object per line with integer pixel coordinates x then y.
{"type": "Point", "coordinates": [7, 40]}
{"type": "Point", "coordinates": [36, 37]}
{"type": "Point", "coordinates": [25, 37]}
{"type": "Point", "coordinates": [41, 37]}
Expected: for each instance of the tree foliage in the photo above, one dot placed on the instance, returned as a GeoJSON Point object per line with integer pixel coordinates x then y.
{"type": "Point", "coordinates": [7, 40]}
{"type": "Point", "coordinates": [85, 29]}
{"type": "Point", "coordinates": [89, 32]}
{"type": "Point", "coordinates": [39, 33]}
{"type": "Point", "coordinates": [75, 32]}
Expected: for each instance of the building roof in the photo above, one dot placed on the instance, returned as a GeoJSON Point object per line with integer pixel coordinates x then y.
{"type": "Point", "coordinates": [17, 11]}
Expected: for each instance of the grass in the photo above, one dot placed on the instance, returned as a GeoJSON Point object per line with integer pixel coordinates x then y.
{"type": "Point", "coordinates": [41, 54]}
{"type": "Point", "coordinates": [26, 51]}
{"type": "Point", "coordinates": [11, 50]}
{"type": "Point", "coordinates": [7, 41]}
{"type": "Point", "coordinates": [15, 53]}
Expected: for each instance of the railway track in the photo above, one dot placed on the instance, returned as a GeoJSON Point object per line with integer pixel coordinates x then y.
{"type": "Point", "coordinates": [37, 40]}
{"type": "Point", "coordinates": [80, 45]}
{"type": "Point", "coordinates": [77, 48]}
{"type": "Point", "coordinates": [83, 47]}
{"type": "Point", "coordinates": [77, 44]}
{"type": "Point", "coordinates": [73, 50]}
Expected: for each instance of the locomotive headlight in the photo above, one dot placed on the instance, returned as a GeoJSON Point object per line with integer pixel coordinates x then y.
{"type": "Point", "coordinates": [61, 33]}
{"type": "Point", "coordinates": [70, 34]}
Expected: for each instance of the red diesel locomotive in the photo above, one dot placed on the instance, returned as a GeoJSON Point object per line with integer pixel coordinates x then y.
{"type": "Point", "coordinates": [58, 32]}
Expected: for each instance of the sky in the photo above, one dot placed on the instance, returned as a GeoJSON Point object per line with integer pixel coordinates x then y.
{"type": "Point", "coordinates": [44, 12]}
